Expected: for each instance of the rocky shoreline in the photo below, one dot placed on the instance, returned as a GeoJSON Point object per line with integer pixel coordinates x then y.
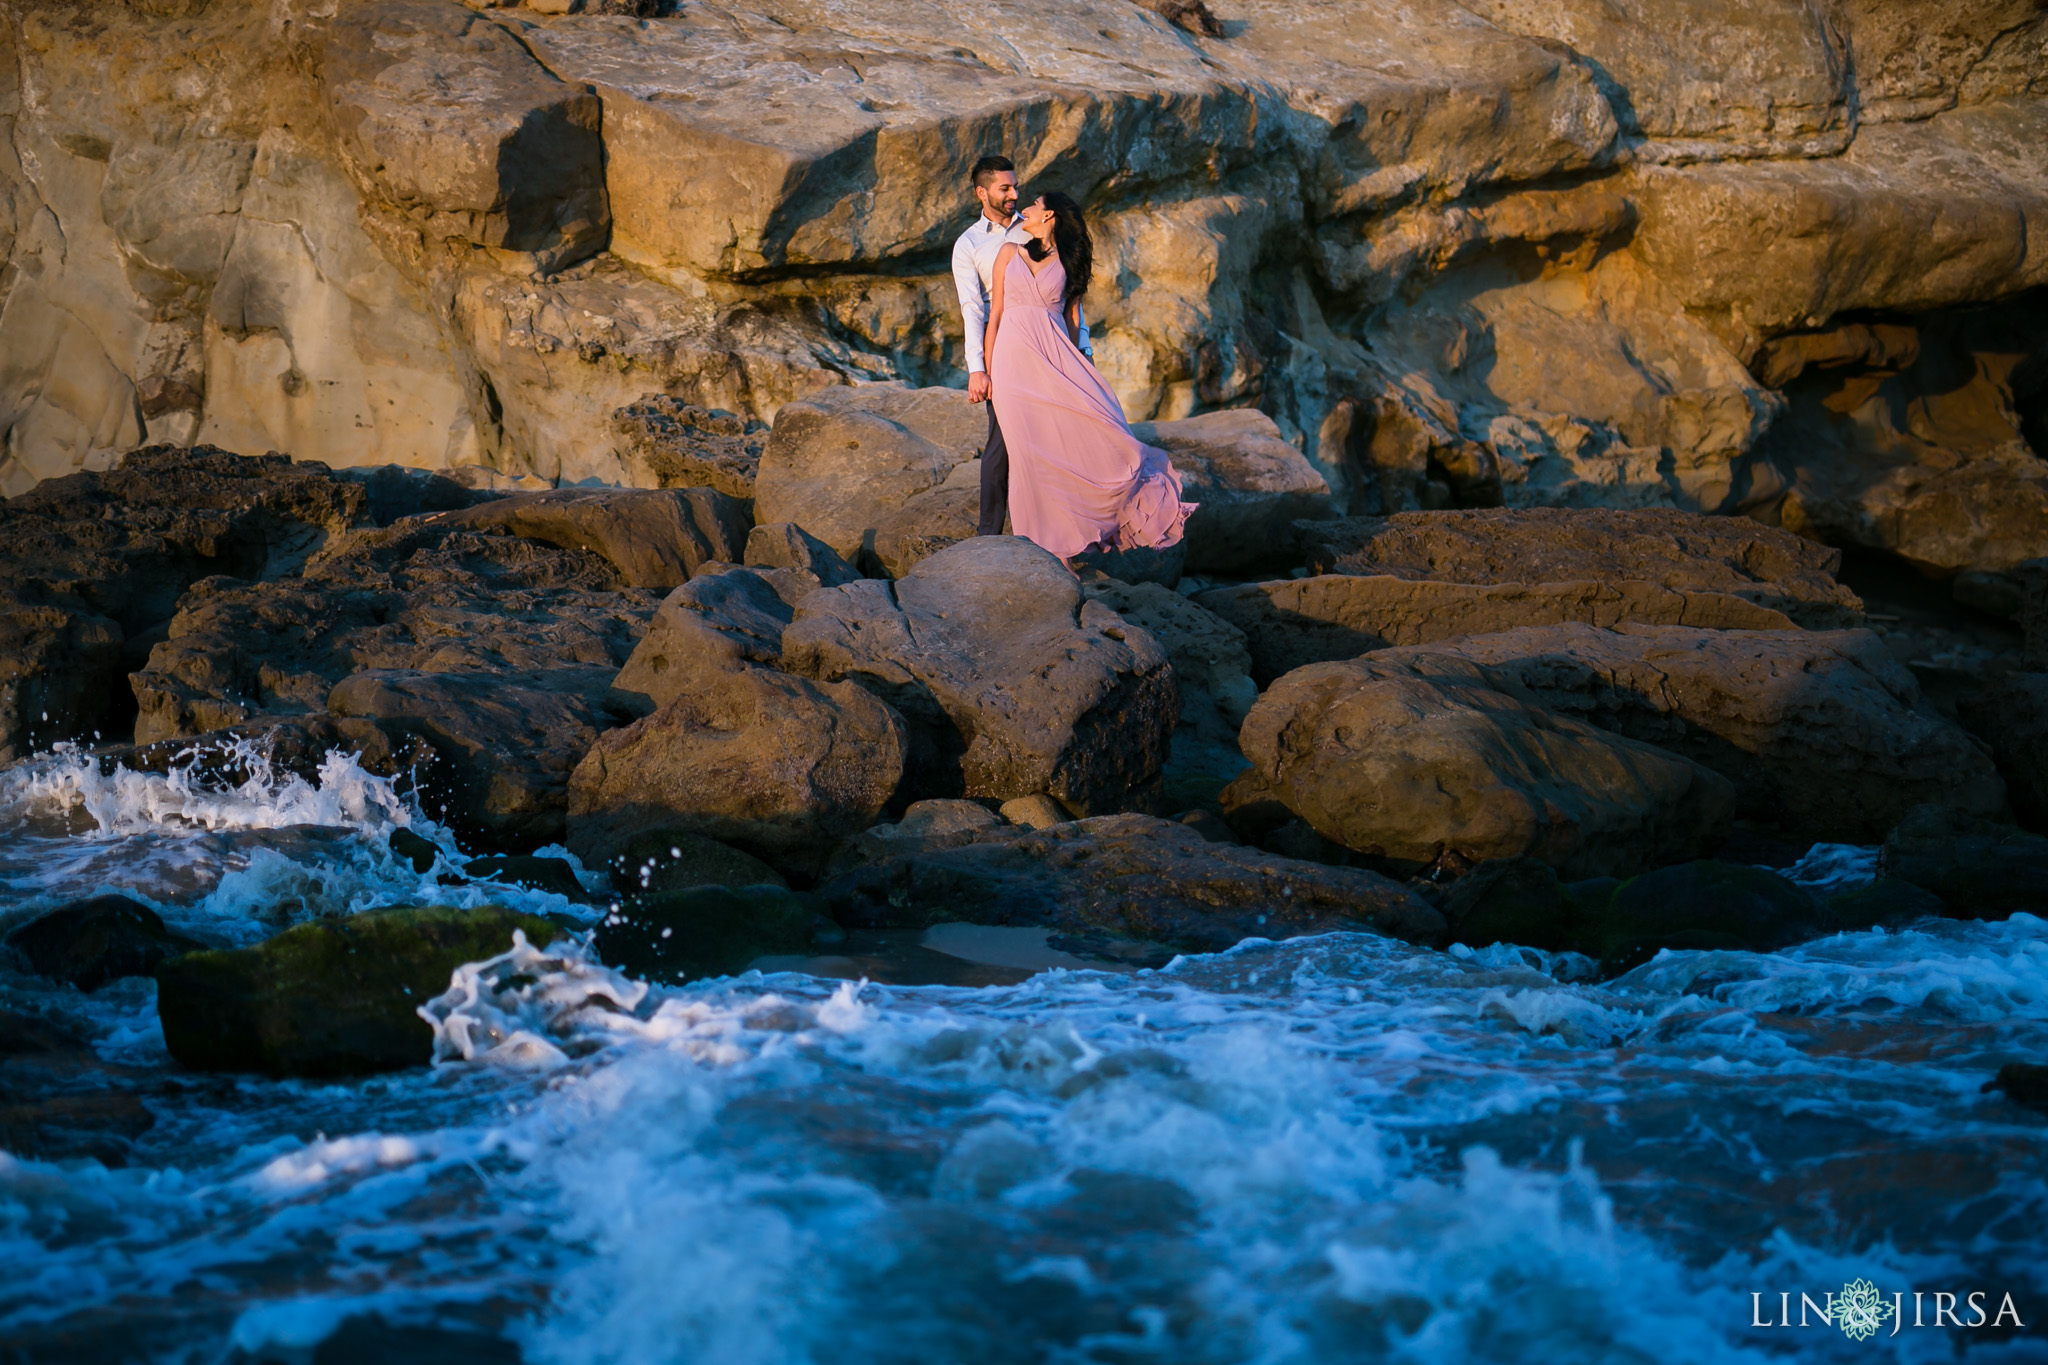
{"type": "Point", "coordinates": [1576, 730]}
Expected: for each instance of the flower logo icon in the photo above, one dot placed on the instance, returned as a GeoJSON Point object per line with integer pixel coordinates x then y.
{"type": "Point", "coordinates": [1861, 1310]}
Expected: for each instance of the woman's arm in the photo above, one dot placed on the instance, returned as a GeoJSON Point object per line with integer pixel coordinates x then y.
{"type": "Point", "coordinates": [995, 308]}
{"type": "Point", "coordinates": [1074, 322]}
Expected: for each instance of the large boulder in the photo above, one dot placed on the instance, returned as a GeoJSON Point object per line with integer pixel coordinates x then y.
{"type": "Point", "coordinates": [1419, 768]}
{"type": "Point", "coordinates": [1683, 552]}
{"type": "Point", "coordinates": [503, 748]}
{"type": "Point", "coordinates": [446, 116]}
{"type": "Point", "coordinates": [331, 998]}
{"type": "Point", "coordinates": [779, 767]}
{"type": "Point", "coordinates": [1009, 679]}
{"type": "Point", "coordinates": [1126, 877]}
{"type": "Point", "coordinates": [710, 626]}
{"type": "Point", "coordinates": [845, 460]}
{"type": "Point", "coordinates": [654, 538]}
{"type": "Point", "coordinates": [1823, 732]}
{"type": "Point", "coordinates": [1249, 483]}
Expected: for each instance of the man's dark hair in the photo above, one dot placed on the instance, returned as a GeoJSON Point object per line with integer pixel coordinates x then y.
{"type": "Point", "coordinates": [986, 168]}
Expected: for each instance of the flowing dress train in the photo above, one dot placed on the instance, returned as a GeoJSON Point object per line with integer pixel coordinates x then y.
{"type": "Point", "coordinates": [1078, 477]}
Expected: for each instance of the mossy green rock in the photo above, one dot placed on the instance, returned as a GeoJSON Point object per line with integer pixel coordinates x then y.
{"type": "Point", "coordinates": [704, 931]}
{"type": "Point", "coordinates": [331, 998]}
{"type": "Point", "coordinates": [670, 860]}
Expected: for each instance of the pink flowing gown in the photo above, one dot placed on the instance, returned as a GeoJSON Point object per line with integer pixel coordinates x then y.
{"type": "Point", "coordinates": [1078, 477]}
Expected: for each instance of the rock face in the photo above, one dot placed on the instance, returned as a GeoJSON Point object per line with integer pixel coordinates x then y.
{"type": "Point", "coordinates": [1822, 732]}
{"type": "Point", "coordinates": [1009, 681]}
{"type": "Point", "coordinates": [1540, 253]}
{"type": "Point", "coordinates": [331, 998]}
{"type": "Point", "coordinates": [1127, 877]}
{"type": "Point", "coordinates": [707, 629]}
{"type": "Point", "coordinates": [1413, 769]}
{"type": "Point", "coordinates": [2011, 716]}
{"type": "Point", "coordinates": [1979, 869]}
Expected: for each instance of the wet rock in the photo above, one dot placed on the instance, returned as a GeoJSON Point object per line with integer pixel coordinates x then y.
{"type": "Point", "coordinates": [91, 942]}
{"type": "Point", "coordinates": [420, 853]}
{"type": "Point", "coordinates": [421, 596]}
{"type": "Point", "coordinates": [446, 116]}
{"type": "Point", "coordinates": [1008, 681]}
{"type": "Point", "coordinates": [1413, 770]}
{"type": "Point", "coordinates": [503, 751]}
{"type": "Point", "coordinates": [58, 670]}
{"type": "Point", "coordinates": [274, 746]}
{"type": "Point", "coordinates": [778, 766]}
{"type": "Point", "coordinates": [841, 462]}
{"type": "Point", "coordinates": [674, 860]}
{"type": "Point", "coordinates": [785, 545]}
{"type": "Point", "coordinates": [1250, 486]}
{"type": "Point", "coordinates": [668, 443]}
{"type": "Point", "coordinates": [2024, 1083]}
{"type": "Point", "coordinates": [713, 625]}
{"type": "Point", "coordinates": [1292, 622]}
{"type": "Point", "coordinates": [95, 560]}
{"type": "Point", "coordinates": [1127, 877]}
{"type": "Point", "coordinates": [704, 931]}
{"type": "Point", "coordinates": [1888, 902]}
{"type": "Point", "coordinates": [1704, 905]}
{"type": "Point", "coordinates": [2010, 715]}
{"type": "Point", "coordinates": [524, 869]}
{"type": "Point", "coordinates": [655, 538]}
{"type": "Point", "coordinates": [330, 998]}
{"type": "Point", "coordinates": [1210, 826]}
{"type": "Point", "coordinates": [2032, 576]}
{"type": "Point", "coordinates": [1823, 732]}
{"type": "Point", "coordinates": [1521, 901]}
{"type": "Point", "coordinates": [1980, 869]}
{"type": "Point", "coordinates": [1682, 552]}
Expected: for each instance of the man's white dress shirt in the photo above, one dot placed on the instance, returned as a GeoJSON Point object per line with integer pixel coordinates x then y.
{"type": "Point", "coordinates": [974, 267]}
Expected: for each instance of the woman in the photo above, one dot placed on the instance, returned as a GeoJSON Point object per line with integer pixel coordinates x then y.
{"type": "Point", "coordinates": [1078, 478]}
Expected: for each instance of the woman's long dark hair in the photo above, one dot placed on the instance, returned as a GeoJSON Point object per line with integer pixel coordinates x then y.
{"type": "Point", "coordinates": [1070, 238]}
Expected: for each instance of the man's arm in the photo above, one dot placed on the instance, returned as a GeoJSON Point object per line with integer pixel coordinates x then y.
{"type": "Point", "coordinates": [995, 315]}
{"type": "Point", "coordinates": [973, 315]}
{"type": "Point", "coordinates": [1082, 341]}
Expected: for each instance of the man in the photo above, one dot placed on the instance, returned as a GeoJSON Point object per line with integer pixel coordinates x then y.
{"type": "Point", "coordinates": [974, 258]}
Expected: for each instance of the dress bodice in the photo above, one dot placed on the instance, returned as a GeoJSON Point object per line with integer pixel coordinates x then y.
{"type": "Point", "coordinates": [1034, 289]}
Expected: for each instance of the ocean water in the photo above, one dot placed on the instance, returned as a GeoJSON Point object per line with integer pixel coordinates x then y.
{"type": "Point", "coordinates": [1326, 1150]}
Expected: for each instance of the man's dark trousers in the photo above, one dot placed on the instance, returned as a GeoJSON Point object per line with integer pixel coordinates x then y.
{"type": "Point", "coordinates": [995, 479]}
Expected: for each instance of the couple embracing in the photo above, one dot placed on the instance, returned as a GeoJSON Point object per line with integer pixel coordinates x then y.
{"type": "Point", "coordinates": [1061, 461]}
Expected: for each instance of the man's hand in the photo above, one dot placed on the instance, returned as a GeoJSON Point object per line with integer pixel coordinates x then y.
{"type": "Point", "coordinates": [977, 387]}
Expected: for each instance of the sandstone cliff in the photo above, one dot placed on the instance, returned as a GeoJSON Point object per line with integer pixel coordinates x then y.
{"type": "Point", "coordinates": [1776, 258]}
